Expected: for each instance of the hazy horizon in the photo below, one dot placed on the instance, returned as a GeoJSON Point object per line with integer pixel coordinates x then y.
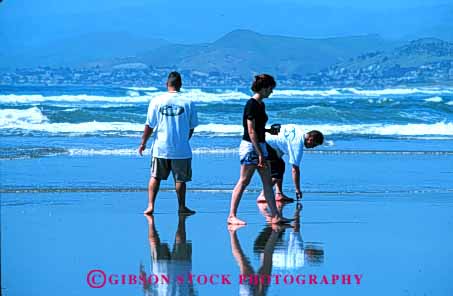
{"type": "Point", "coordinates": [31, 31]}
{"type": "Point", "coordinates": [198, 21]}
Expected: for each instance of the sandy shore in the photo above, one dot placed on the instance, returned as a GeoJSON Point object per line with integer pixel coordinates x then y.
{"type": "Point", "coordinates": [400, 244]}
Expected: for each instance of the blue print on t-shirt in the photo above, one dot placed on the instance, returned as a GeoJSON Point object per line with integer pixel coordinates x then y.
{"type": "Point", "coordinates": [171, 110]}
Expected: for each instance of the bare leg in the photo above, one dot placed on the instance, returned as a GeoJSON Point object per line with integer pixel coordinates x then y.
{"type": "Point", "coordinates": [241, 259]}
{"type": "Point", "coordinates": [180, 237]}
{"type": "Point", "coordinates": [181, 193]}
{"type": "Point", "coordinates": [265, 175]}
{"type": "Point", "coordinates": [279, 191]}
{"type": "Point", "coordinates": [244, 180]}
{"type": "Point", "coordinates": [261, 197]}
{"type": "Point", "coordinates": [153, 188]}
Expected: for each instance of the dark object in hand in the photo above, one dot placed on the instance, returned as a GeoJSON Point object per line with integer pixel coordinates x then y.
{"type": "Point", "coordinates": [275, 128]}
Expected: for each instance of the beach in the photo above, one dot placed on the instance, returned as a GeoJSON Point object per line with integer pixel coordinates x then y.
{"type": "Point", "coordinates": [87, 215]}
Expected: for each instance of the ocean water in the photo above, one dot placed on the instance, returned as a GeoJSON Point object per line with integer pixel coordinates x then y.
{"type": "Point", "coordinates": [93, 124]}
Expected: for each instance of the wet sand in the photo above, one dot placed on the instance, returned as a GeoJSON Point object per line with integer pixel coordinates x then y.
{"type": "Point", "coordinates": [399, 244]}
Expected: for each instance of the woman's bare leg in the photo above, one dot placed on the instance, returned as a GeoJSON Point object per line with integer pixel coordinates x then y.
{"type": "Point", "coordinates": [244, 180]}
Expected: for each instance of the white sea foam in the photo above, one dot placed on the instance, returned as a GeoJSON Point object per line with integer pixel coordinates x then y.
{"type": "Point", "coordinates": [13, 117]}
{"type": "Point", "coordinates": [70, 109]}
{"type": "Point", "coordinates": [434, 100]}
{"type": "Point", "coordinates": [311, 93]}
{"type": "Point", "coordinates": [24, 99]}
{"type": "Point", "coordinates": [151, 88]}
{"type": "Point", "coordinates": [329, 143]}
{"type": "Point", "coordinates": [450, 103]}
{"type": "Point", "coordinates": [399, 91]}
{"type": "Point", "coordinates": [33, 119]}
{"type": "Point", "coordinates": [195, 95]}
{"type": "Point", "coordinates": [223, 129]}
{"type": "Point", "coordinates": [133, 93]}
{"type": "Point", "coordinates": [440, 128]}
{"type": "Point", "coordinates": [133, 151]}
{"type": "Point", "coordinates": [92, 127]}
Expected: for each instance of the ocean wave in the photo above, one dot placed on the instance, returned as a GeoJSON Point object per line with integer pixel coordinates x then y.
{"type": "Point", "coordinates": [133, 151]}
{"type": "Point", "coordinates": [195, 95]}
{"type": "Point", "coordinates": [221, 129]}
{"type": "Point", "coordinates": [399, 91]}
{"type": "Point", "coordinates": [151, 88]}
{"type": "Point", "coordinates": [133, 93]}
{"type": "Point", "coordinates": [15, 117]}
{"type": "Point", "coordinates": [411, 129]}
{"type": "Point", "coordinates": [450, 103]}
{"type": "Point", "coordinates": [380, 101]}
{"type": "Point", "coordinates": [434, 100]}
{"type": "Point", "coordinates": [39, 123]}
{"type": "Point", "coordinates": [30, 99]}
{"type": "Point", "coordinates": [298, 93]}
{"type": "Point", "coordinates": [92, 127]}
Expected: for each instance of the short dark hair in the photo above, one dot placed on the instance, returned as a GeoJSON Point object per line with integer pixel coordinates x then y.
{"type": "Point", "coordinates": [318, 137]}
{"type": "Point", "coordinates": [174, 80]}
{"type": "Point", "coordinates": [263, 81]}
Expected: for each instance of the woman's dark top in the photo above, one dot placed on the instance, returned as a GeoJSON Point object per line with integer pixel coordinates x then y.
{"type": "Point", "coordinates": [257, 111]}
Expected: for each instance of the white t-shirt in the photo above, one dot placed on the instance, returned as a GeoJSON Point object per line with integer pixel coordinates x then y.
{"type": "Point", "coordinates": [171, 116]}
{"type": "Point", "coordinates": [290, 141]}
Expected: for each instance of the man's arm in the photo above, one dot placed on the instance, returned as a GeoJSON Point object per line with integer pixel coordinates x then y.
{"type": "Point", "coordinates": [146, 134]}
{"type": "Point", "coordinates": [296, 180]}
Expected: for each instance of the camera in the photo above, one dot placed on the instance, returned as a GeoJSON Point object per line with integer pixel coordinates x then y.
{"type": "Point", "coordinates": [275, 128]}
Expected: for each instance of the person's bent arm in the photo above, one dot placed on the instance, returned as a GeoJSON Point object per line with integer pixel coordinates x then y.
{"type": "Point", "coordinates": [254, 139]}
{"type": "Point", "coordinates": [296, 180]}
{"type": "Point", "coordinates": [146, 134]}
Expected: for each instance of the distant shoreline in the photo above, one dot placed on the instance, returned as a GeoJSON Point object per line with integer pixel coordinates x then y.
{"type": "Point", "coordinates": [370, 87]}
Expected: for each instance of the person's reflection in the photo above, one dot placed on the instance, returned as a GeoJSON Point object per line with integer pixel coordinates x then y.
{"type": "Point", "coordinates": [170, 264]}
{"type": "Point", "coordinates": [252, 283]}
{"type": "Point", "coordinates": [295, 253]}
{"type": "Point", "coordinates": [289, 254]}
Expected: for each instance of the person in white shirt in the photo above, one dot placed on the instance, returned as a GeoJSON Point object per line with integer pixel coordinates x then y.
{"type": "Point", "coordinates": [290, 141]}
{"type": "Point", "coordinates": [171, 120]}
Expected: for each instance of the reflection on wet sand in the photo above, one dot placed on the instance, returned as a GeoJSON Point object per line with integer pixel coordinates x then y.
{"type": "Point", "coordinates": [294, 253]}
{"type": "Point", "coordinates": [168, 264]}
{"type": "Point", "coordinates": [273, 251]}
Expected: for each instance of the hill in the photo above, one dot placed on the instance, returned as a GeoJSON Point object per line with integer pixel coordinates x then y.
{"type": "Point", "coordinates": [243, 52]}
{"type": "Point", "coordinates": [427, 60]}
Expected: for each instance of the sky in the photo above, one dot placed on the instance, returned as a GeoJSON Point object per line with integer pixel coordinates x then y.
{"type": "Point", "coordinates": [70, 31]}
{"type": "Point", "coordinates": [27, 22]}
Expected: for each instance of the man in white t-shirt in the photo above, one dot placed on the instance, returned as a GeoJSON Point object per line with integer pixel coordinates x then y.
{"type": "Point", "coordinates": [290, 141]}
{"type": "Point", "coordinates": [171, 120]}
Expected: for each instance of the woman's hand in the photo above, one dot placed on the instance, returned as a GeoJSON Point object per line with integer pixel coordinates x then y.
{"type": "Point", "coordinates": [261, 162]}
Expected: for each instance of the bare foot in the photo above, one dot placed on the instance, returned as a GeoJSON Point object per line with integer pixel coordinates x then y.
{"type": "Point", "coordinates": [283, 198]}
{"type": "Point", "coordinates": [149, 210]}
{"type": "Point", "coordinates": [261, 198]}
{"type": "Point", "coordinates": [149, 218]}
{"type": "Point", "coordinates": [232, 228]}
{"type": "Point", "coordinates": [235, 221]}
{"type": "Point", "coordinates": [186, 211]}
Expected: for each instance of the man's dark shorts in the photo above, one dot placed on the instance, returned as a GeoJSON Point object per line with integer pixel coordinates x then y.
{"type": "Point", "coordinates": [277, 164]}
{"type": "Point", "coordinates": [181, 169]}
